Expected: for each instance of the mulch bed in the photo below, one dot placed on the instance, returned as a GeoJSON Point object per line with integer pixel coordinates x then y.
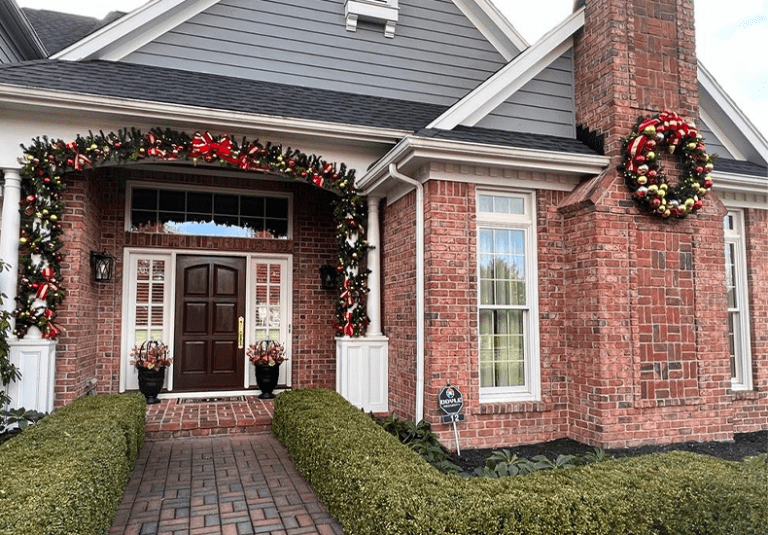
{"type": "Point", "coordinates": [744, 445]}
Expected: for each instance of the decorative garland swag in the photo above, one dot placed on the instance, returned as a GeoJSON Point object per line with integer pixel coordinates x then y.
{"type": "Point", "coordinates": [647, 180]}
{"type": "Point", "coordinates": [40, 257]}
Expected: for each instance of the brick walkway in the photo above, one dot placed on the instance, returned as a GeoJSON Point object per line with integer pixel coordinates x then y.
{"type": "Point", "coordinates": [224, 485]}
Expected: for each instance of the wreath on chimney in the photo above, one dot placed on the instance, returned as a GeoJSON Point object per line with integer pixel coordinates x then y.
{"type": "Point", "coordinates": [645, 177]}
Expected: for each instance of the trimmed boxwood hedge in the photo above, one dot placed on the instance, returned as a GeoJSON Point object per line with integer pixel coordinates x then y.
{"type": "Point", "coordinates": [375, 485]}
{"type": "Point", "coordinates": [68, 472]}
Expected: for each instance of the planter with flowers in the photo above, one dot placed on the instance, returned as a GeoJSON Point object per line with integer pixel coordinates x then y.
{"type": "Point", "coordinates": [151, 359]}
{"type": "Point", "coordinates": [266, 356]}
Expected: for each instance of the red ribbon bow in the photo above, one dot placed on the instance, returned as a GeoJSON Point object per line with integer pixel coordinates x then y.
{"type": "Point", "coordinates": [204, 145]}
{"type": "Point", "coordinates": [346, 295]}
{"type": "Point", "coordinates": [78, 160]}
{"type": "Point", "coordinates": [349, 329]}
{"type": "Point", "coordinates": [49, 284]}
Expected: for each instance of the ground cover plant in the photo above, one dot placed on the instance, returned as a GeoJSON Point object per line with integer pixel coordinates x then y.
{"type": "Point", "coordinates": [375, 485]}
{"type": "Point", "coordinates": [67, 473]}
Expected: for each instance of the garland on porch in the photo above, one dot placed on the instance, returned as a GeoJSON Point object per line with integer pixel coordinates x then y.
{"type": "Point", "coordinates": [645, 177]}
{"type": "Point", "coordinates": [40, 290]}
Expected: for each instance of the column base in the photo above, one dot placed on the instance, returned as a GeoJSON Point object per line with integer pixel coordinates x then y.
{"type": "Point", "coordinates": [362, 372]}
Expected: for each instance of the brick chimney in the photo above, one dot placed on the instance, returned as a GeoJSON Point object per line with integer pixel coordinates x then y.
{"type": "Point", "coordinates": [634, 58]}
{"type": "Point", "coordinates": [646, 314]}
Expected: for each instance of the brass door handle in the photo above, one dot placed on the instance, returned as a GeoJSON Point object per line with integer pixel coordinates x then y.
{"type": "Point", "coordinates": [240, 332]}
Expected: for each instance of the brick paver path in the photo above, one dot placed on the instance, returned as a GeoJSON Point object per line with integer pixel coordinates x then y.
{"type": "Point", "coordinates": [228, 485]}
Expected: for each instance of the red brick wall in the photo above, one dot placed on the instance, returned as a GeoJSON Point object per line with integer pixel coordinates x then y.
{"type": "Point", "coordinates": [94, 220]}
{"type": "Point", "coordinates": [751, 408]}
{"type": "Point", "coordinates": [398, 278]}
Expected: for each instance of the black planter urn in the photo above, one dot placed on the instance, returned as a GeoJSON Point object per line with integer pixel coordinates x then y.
{"type": "Point", "coordinates": [151, 383]}
{"type": "Point", "coordinates": [266, 378]}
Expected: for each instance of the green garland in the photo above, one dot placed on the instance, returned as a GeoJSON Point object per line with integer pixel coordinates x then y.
{"type": "Point", "coordinates": [40, 253]}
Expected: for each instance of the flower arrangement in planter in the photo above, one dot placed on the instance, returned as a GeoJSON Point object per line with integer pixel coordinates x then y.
{"type": "Point", "coordinates": [151, 355]}
{"type": "Point", "coordinates": [266, 353]}
{"type": "Point", "coordinates": [151, 359]}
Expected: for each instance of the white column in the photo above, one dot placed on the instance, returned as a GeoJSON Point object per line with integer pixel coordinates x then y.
{"type": "Point", "coordinates": [373, 308]}
{"type": "Point", "coordinates": [9, 239]}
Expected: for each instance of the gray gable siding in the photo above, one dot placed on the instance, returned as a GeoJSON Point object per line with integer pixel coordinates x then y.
{"type": "Point", "coordinates": [543, 106]}
{"type": "Point", "coordinates": [9, 52]}
{"type": "Point", "coordinates": [713, 144]}
{"type": "Point", "coordinates": [437, 55]}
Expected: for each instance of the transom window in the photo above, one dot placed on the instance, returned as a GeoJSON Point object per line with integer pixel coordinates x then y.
{"type": "Point", "coordinates": [507, 288]}
{"type": "Point", "coordinates": [208, 213]}
{"type": "Point", "coordinates": [736, 287]}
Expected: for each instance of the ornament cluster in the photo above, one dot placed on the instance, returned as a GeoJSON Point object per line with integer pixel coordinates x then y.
{"type": "Point", "coordinates": [647, 180]}
{"type": "Point", "coordinates": [40, 290]}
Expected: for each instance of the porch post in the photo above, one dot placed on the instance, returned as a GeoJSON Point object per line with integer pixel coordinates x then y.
{"type": "Point", "coordinates": [9, 239]}
{"type": "Point", "coordinates": [34, 357]}
{"type": "Point", "coordinates": [373, 308]}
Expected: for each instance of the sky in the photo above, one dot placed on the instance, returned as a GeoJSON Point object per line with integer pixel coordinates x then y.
{"type": "Point", "coordinates": [731, 39]}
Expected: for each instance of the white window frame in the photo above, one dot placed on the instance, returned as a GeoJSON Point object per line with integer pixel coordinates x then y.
{"type": "Point", "coordinates": [163, 186]}
{"type": "Point", "coordinates": [742, 347]}
{"type": "Point", "coordinates": [531, 390]}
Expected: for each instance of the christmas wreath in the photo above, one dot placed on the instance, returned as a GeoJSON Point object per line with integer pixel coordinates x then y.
{"type": "Point", "coordinates": [40, 290]}
{"type": "Point", "coordinates": [646, 178]}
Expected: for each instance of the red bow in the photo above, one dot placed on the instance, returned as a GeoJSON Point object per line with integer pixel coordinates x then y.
{"type": "Point", "coordinates": [349, 329]}
{"type": "Point", "coordinates": [204, 145]}
{"type": "Point", "coordinates": [346, 295]}
{"type": "Point", "coordinates": [48, 285]}
{"type": "Point", "coordinates": [79, 160]}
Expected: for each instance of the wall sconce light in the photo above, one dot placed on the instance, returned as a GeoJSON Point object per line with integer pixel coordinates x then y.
{"type": "Point", "coordinates": [103, 265]}
{"type": "Point", "coordinates": [328, 277]}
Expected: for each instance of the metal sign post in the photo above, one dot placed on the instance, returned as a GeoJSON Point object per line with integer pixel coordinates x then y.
{"type": "Point", "coordinates": [451, 402]}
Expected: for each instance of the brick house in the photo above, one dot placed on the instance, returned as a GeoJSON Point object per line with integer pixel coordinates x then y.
{"type": "Point", "coordinates": [508, 256]}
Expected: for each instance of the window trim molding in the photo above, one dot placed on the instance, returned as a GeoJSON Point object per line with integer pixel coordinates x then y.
{"type": "Point", "coordinates": [744, 348]}
{"type": "Point", "coordinates": [131, 184]}
{"type": "Point", "coordinates": [531, 391]}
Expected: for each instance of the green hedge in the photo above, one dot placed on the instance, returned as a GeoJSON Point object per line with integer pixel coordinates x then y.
{"type": "Point", "coordinates": [375, 485]}
{"type": "Point", "coordinates": [68, 472]}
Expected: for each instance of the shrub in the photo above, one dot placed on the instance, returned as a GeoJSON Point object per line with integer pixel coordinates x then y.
{"type": "Point", "coordinates": [68, 472]}
{"type": "Point", "coordinates": [421, 439]}
{"type": "Point", "coordinates": [375, 485]}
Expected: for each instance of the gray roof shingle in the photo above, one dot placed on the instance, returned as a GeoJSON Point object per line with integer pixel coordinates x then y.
{"type": "Point", "coordinates": [159, 84]}
{"type": "Point", "coordinates": [59, 30]}
{"type": "Point", "coordinates": [740, 167]}
{"type": "Point", "coordinates": [503, 138]}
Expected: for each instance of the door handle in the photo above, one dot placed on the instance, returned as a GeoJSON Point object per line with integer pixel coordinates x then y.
{"type": "Point", "coordinates": [240, 332]}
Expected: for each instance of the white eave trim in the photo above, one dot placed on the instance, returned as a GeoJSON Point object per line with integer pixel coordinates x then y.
{"type": "Point", "coordinates": [164, 113]}
{"type": "Point", "coordinates": [735, 183]}
{"type": "Point", "coordinates": [742, 123]}
{"type": "Point", "coordinates": [412, 150]}
{"type": "Point", "coordinates": [134, 30]}
{"type": "Point", "coordinates": [498, 88]}
{"type": "Point", "coordinates": [500, 33]}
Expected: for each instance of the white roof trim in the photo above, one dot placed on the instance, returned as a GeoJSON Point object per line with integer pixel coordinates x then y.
{"type": "Point", "coordinates": [410, 150]}
{"type": "Point", "coordinates": [493, 92]}
{"type": "Point", "coordinates": [134, 30]}
{"type": "Point", "coordinates": [742, 123]}
{"type": "Point", "coordinates": [162, 112]}
{"type": "Point", "coordinates": [721, 136]}
{"type": "Point", "coordinates": [502, 35]}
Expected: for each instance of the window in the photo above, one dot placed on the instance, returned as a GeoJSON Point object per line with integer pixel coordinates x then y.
{"type": "Point", "coordinates": [208, 213]}
{"type": "Point", "coordinates": [509, 363]}
{"type": "Point", "coordinates": [738, 315]}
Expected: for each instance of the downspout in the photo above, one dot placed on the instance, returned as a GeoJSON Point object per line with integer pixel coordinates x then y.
{"type": "Point", "coordinates": [420, 327]}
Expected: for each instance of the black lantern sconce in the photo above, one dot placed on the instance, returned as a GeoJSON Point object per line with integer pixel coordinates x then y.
{"type": "Point", "coordinates": [103, 265]}
{"type": "Point", "coordinates": [328, 277]}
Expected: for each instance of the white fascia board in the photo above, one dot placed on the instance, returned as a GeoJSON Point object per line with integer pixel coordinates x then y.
{"type": "Point", "coordinates": [501, 34]}
{"type": "Point", "coordinates": [722, 137]}
{"type": "Point", "coordinates": [164, 113]}
{"type": "Point", "coordinates": [134, 30]}
{"type": "Point", "coordinates": [735, 183]}
{"type": "Point", "coordinates": [503, 84]}
{"type": "Point", "coordinates": [412, 149]}
{"type": "Point", "coordinates": [721, 98]}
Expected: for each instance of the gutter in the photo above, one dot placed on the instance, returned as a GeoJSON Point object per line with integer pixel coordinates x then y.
{"type": "Point", "coordinates": [420, 287]}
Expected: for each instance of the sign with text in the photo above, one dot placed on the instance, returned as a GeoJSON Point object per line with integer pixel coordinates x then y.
{"type": "Point", "coordinates": [450, 400]}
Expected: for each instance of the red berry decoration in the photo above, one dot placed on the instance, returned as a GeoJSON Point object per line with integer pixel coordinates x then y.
{"type": "Point", "coordinates": [647, 180]}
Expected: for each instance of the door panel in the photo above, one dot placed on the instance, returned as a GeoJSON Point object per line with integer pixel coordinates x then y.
{"type": "Point", "coordinates": [210, 296]}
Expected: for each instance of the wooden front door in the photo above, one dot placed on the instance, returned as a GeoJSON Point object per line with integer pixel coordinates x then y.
{"type": "Point", "coordinates": [210, 305]}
